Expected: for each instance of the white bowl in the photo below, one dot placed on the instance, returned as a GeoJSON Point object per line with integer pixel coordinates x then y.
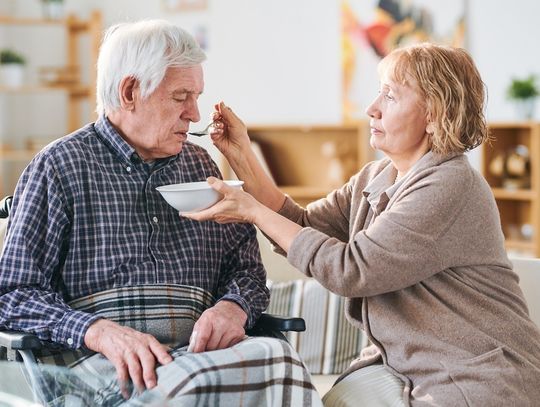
{"type": "Point", "coordinates": [193, 196]}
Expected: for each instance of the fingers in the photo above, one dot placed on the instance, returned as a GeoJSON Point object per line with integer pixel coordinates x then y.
{"type": "Point", "coordinates": [205, 214]}
{"type": "Point", "coordinates": [203, 331]}
{"type": "Point", "coordinates": [132, 353]}
{"type": "Point", "coordinates": [148, 364]}
{"type": "Point", "coordinates": [135, 371]}
{"type": "Point", "coordinates": [160, 352]}
{"type": "Point", "coordinates": [225, 113]}
{"type": "Point", "coordinates": [123, 378]}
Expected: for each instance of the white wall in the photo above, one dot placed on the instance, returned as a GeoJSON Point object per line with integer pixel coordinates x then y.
{"type": "Point", "coordinates": [279, 61]}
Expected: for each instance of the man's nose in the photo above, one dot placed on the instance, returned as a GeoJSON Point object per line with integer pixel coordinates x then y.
{"type": "Point", "coordinates": [192, 111]}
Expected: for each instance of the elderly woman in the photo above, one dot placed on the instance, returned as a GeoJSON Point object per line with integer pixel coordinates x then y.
{"type": "Point", "coordinates": [413, 241]}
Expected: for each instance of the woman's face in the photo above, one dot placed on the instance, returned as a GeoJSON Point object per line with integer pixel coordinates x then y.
{"type": "Point", "coordinates": [398, 123]}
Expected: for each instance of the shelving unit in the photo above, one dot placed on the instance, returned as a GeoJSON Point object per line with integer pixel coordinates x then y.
{"type": "Point", "coordinates": [77, 91]}
{"type": "Point", "coordinates": [299, 163]}
{"type": "Point", "coordinates": [519, 207]}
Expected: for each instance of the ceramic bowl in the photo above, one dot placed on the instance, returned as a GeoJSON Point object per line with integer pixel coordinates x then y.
{"type": "Point", "coordinates": [193, 196]}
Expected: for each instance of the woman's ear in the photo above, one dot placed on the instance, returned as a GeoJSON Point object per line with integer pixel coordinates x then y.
{"type": "Point", "coordinates": [127, 89]}
{"type": "Point", "coordinates": [430, 128]}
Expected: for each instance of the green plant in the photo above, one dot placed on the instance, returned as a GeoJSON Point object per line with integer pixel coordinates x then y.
{"type": "Point", "coordinates": [8, 56]}
{"type": "Point", "coordinates": [523, 88]}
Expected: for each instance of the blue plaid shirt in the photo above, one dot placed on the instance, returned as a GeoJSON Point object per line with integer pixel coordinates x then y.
{"type": "Point", "coordinates": [86, 217]}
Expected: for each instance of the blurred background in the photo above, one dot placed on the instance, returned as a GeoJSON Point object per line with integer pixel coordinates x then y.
{"type": "Point", "coordinates": [294, 64]}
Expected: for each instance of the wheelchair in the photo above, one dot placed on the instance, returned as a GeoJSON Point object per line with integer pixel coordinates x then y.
{"type": "Point", "coordinates": [20, 346]}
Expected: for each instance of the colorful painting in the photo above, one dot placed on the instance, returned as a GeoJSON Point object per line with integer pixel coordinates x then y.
{"type": "Point", "coordinates": [371, 29]}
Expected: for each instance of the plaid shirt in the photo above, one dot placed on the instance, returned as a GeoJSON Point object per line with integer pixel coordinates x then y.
{"type": "Point", "coordinates": [86, 217]}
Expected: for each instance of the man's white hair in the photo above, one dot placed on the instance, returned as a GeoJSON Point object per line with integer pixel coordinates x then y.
{"type": "Point", "coordinates": [143, 50]}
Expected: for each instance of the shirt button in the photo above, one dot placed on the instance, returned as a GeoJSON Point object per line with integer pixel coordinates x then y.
{"type": "Point", "coordinates": [128, 169]}
{"type": "Point", "coordinates": [69, 341]}
{"type": "Point", "coordinates": [155, 219]}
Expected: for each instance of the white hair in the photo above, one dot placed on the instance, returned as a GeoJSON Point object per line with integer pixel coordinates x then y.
{"type": "Point", "coordinates": [143, 50]}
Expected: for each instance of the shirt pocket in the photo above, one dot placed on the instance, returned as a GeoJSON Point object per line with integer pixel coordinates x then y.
{"type": "Point", "coordinates": [487, 378]}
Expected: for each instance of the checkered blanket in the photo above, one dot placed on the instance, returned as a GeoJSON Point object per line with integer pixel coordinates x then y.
{"type": "Point", "coordinates": [255, 372]}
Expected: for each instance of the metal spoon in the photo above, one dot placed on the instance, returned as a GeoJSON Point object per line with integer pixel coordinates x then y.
{"type": "Point", "coordinates": [201, 133]}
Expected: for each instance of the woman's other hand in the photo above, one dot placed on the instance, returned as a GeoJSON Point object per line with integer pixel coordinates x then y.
{"type": "Point", "coordinates": [229, 133]}
{"type": "Point", "coordinates": [236, 206]}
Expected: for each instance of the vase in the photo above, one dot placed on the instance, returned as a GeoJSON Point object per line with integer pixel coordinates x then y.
{"type": "Point", "coordinates": [525, 108]}
{"type": "Point", "coordinates": [53, 9]}
{"type": "Point", "coordinates": [12, 75]}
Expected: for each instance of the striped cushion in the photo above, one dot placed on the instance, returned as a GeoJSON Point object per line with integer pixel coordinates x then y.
{"type": "Point", "coordinates": [330, 343]}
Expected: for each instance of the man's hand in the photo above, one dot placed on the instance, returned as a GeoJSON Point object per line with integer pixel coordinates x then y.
{"type": "Point", "coordinates": [132, 353]}
{"type": "Point", "coordinates": [219, 327]}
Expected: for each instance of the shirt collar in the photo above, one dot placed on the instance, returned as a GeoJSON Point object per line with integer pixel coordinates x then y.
{"type": "Point", "coordinates": [113, 140]}
{"type": "Point", "coordinates": [121, 148]}
{"type": "Point", "coordinates": [383, 186]}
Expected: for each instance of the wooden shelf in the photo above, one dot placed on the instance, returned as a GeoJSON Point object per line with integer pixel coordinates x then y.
{"type": "Point", "coordinates": [77, 90]}
{"type": "Point", "coordinates": [304, 192]}
{"type": "Point", "coordinates": [521, 245]}
{"type": "Point", "coordinates": [514, 194]}
{"type": "Point", "coordinates": [309, 161]}
{"type": "Point", "coordinates": [517, 207]}
{"type": "Point", "coordinates": [9, 20]}
{"type": "Point", "coordinates": [17, 155]}
{"type": "Point", "coordinates": [72, 22]}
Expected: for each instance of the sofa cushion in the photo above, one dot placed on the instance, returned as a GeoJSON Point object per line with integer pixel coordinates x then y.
{"type": "Point", "coordinates": [329, 343]}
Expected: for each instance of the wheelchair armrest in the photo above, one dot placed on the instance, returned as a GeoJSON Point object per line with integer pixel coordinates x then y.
{"type": "Point", "coordinates": [274, 326]}
{"type": "Point", "coordinates": [13, 340]}
{"type": "Point", "coordinates": [5, 207]}
{"type": "Point", "coordinates": [283, 324]}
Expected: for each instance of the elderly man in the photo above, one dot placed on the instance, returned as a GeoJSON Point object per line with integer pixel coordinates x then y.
{"type": "Point", "coordinates": [95, 261]}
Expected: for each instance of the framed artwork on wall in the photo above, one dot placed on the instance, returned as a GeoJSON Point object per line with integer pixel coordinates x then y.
{"type": "Point", "coordinates": [371, 29]}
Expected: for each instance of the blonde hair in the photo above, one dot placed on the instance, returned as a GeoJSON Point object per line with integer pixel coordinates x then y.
{"type": "Point", "coordinates": [452, 90]}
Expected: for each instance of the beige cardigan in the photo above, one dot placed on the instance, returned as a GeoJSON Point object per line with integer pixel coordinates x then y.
{"type": "Point", "coordinates": [424, 267]}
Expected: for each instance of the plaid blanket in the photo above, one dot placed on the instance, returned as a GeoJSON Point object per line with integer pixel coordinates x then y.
{"type": "Point", "coordinates": [254, 372]}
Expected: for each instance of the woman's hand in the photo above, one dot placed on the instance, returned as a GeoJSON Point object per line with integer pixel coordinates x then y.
{"type": "Point", "coordinates": [239, 206]}
{"type": "Point", "coordinates": [229, 133]}
{"type": "Point", "coordinates": [236, 206]}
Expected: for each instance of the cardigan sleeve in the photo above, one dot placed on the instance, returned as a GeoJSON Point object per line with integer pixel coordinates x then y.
{"type": "Point", "coordinates": [400, 248]}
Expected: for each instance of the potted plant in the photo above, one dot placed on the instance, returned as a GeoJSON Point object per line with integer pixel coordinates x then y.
{"type": "Point", "coordinates": [523, 92]}
{"type": "Point", "coordinates": [11, 68]}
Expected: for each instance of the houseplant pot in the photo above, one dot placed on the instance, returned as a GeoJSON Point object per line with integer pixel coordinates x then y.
{"type": "Point", "coordinates": [53, 9]}
{"type": "Point", "coordinates": [523, 93]}
{"type": "Point", "coordinates": [11, 68]}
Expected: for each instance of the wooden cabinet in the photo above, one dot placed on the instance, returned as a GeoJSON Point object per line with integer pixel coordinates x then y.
{"type": "Point", "coordinates": [67, 79]}
{"type": "Point", "coordinates": [307, 162]}
{"type": "Point", "coordinates": [516, 182]}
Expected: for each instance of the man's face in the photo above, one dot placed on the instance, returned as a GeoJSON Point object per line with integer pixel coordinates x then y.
{"type": "Point", "coordinates": [159, 123]}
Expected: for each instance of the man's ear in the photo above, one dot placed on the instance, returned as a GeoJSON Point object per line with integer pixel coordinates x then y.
{"type": "Point", "coordinates": [127, 92]}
